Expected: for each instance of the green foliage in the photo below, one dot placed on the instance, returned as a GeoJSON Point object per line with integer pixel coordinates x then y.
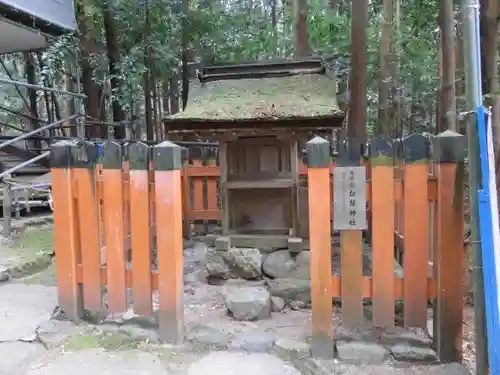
{"type": "Point", "coordinates": [236, 30]}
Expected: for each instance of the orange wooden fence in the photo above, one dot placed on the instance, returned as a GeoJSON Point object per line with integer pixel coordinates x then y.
{"type": "Point", "coordinates": [401, 195]}
{"type": "Point", "coordinates": [106, 214]}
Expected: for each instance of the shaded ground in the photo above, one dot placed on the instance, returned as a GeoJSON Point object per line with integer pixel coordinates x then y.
{"type": "Point", "coordinates": [32, 343]}
{"type": "Point", "coordinates": [28, 252]}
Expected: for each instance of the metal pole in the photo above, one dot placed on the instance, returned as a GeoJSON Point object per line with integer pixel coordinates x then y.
{"type": "Point", "coordinates": [27, 135]}
{"type": "Point", "coordinates": [24, 164]}
{"type": "Point", "coordinates": [472, 68]}
{"type": "Point", "coordinates": [7, 210]}
{"type": "Point", "coordinates": [42, 88]}
{"type": "Point", "coordinates": [81, 122]}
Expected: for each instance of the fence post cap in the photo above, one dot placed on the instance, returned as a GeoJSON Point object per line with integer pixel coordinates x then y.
{"type": "Point", "coordinates": [85, 154]}
{"type": "Point", "coordinates": [185, 153]}
{"type": "Point", "coordinates": [449, 147]}
{"type": "Point", "coordinates": [350, 153]}
{"type": "Point", "coordinates": [60, 155]}
{"type": "Point", "coordinates": [112, 155]}
{"type": "Point", "coordinates": [167, 156]}
{"type": "Point", "coordinates": [318, 153]}
{"type": "Point", "coordinates": [138, 155]}
{"type": "Point", "coordinates": [382, 151]}
{"type": "Point", "coordinates": [416, 148]}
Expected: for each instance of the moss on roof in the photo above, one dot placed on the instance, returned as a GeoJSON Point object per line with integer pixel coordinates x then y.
{"type": "Point", "coordinates": [305, 95]}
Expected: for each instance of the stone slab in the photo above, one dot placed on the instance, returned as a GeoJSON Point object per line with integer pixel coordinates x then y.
{"type": "Point", "coordinates": [23, 308]}
{"type": "Point", "coordinates": [16, 356]}
{"type": "Point", "coordinates": [356, 352]}
{"type": "Point", "coordinates": [232, 363]}
{"type": "Point", "coordinates": [100, 362]}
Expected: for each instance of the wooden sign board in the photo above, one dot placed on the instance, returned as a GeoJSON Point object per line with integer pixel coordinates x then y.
{"type": "Point", "coordinates": [349, 192]}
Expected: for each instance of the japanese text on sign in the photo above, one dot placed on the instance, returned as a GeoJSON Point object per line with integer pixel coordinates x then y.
{"type": "Point", "coordinates": [349, 206]}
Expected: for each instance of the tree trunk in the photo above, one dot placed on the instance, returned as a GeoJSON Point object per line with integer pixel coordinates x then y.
{"type": "Point", "coordinates": [185, 53]}
{"type": "Point", "coordinates": [448, 104]}
{"type": "Point", "coordinates": [301, 40]}
{"type": "Point", "coordinates": [90, 87]}
{"type": "Point", "coordinates": [150, 133]}
{"type": "Point", "coordinates": [30, 71]}
{"type": "Point", "coordinates": [69, 101]}
{"type": "Point", "coordinates": [174, 94]}
{"type": "Point", "coordinates": [113, 49]}
{"type": "Point", "coordinates": [357, 106]}
{"type": "Point", "coordinates": [385, 121]}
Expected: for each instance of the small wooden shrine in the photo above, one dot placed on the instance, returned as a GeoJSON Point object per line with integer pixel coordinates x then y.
{"type": "Point", "coordinates": [259, 113]}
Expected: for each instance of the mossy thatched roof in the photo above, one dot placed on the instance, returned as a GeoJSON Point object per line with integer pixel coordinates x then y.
{"type": "Point", "coordinates": [272, 98]}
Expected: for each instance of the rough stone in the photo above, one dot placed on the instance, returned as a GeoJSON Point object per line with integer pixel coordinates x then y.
{"type": "Point", "coordinates": [244, 283]}
{"type": "Point", "coordinates": [223, 243]}
{"type": "Point", "coordinates": [139, 333]}
{"type": "Point", "coordinates": [4, 276]}
{"type": "Point", "coordinates": [297, 305]}
{"type": "Point", "coordinates": [101, 362]}
{"type": "Point", "coordinates": [291, 289]}
{"type": "Point", "coordinates": [208, 336]}
{"type": "Point", "coordinates": [248, 303]}
{"type": "Point", "coordinates": [16, 356]}
{"type": "Point", "coordinates": [361, 352]}
{"type": "Point", "coordinates": [23, 308]}
{"type": "Point", "coordinates": [53, 333]}
{"type": "Point", "coordinates": [231, 363]}
{"type": "Point", "coordinates": [281, 264]}
{"type": "Point", "coordinates": [291, 350]}
{"type": "Point", "coordinates": [277, 304]}
{"type": "Point", "coordinates": [217, 268]}
{"type": "Point", "coordinates": [295, 244]}
{"type": "Point", "coordinates": [328, 367]}
{"type": "Point", "coordinates": [410, 353]}
{"type": "Point", "coordinates": [244, 263]}
{"type": "Point", "coordinates": [196, 277]}
{"type": "Point", "coordinates": [253, 340]}
{"type": "Point", "coordinates": [419, 339]}
{"type": "Point", "coordinates": [195, 257]}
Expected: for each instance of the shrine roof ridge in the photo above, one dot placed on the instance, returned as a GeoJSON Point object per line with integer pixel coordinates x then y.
{"type": "Point", "coordinates": [272, 91]}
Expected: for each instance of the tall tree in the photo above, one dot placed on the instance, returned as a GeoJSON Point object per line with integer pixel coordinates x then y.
{"type": "Point", "coordinates": [385, 81]}
{"type": "Point", "coordinates": [447, 108]}
{"type": "Point", "coordinates": [357, 106]}
{"type": "Point", "coordinates": [113, 52]}
{"type": "Point", "coordinates": [301, 45]}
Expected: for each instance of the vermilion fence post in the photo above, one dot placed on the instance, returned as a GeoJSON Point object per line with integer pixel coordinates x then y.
{"type": "Point", "coordinates": [416, 230]}
{"type": "Point", "coordinates": [320, 211]}
{"type": "Point", "coordinates": [66, 238]}
{"type": "Point", "coordinates": [114, 226]}
{"type": "Point", "coordinates": [449, 152]}
{"type": "Point", "coordinates": [85, 158]}
{"type": "Point", "coordinates": [382, 203]}
{"type": "Point", "coordinates": [140, 228]}
{"type": "Point", "coordinates": [167, 163]}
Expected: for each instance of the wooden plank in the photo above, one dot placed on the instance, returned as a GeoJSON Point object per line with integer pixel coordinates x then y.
{"type": "Point", "coordinates": [450, 247]}
{"type": "Point", "coordinates": [198, 189]}
{"type": "Point", "coordinates": [140, 228]}
{"type": "Point", "coordinates": [89, 237]}
{"type": "Point", "coordinates": [66, 241]}
{"type": "Point", "coordinates": [321, 251]}
{"type": "Point", "coordinates": [212, 188]}
{"type": "Point", "coordinates": [351, 270]}
{"type": "Point", "coordinates": [186, 209]}
{"type": "Point", "coordinates": [366, 283]}
{"type": "Point", "coordinates": [382, 206]}
{"type": "Point", "coordinates": [416, 243]}
{"type": "Point", "coordinates": [114, 227]}
{"type": "Point", "coordinates": [167, 164]}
